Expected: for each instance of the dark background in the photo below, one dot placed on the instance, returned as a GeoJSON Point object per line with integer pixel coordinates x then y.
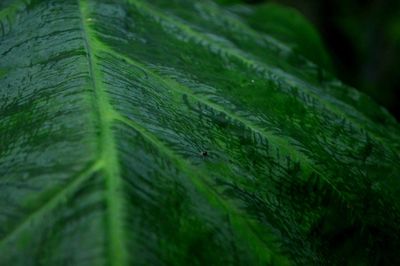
{"type": "Point", "coordinates": [363, 40]}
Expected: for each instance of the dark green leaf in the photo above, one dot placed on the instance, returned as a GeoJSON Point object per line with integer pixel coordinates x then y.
{"type": "Point", "coordinates": [171, 133]}
{"type": "Point", "coordinates": [291, 27]}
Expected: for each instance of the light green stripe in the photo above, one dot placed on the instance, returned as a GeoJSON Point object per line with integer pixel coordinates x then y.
{"type": "Point", "coordinates": [281, 143]}
{"type": "Point", "coordinates": [309, 89]}
{"type": "Point", "coordinates": [114, 198]}
{"type": "Point", "coordinates": [243, 226]}
{"type": "Point", "coordinates": [51, 203]}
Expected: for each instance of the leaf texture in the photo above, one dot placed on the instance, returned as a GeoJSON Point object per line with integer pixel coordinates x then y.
{"type": "Point", "coordinates": [162, 132]}
{"type": "Point", "coordinates": [288, 25]}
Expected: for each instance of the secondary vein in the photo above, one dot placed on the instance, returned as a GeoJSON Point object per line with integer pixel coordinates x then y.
{"type": "Point", "coordinates": [284, 145]}
{"type": "Point", "coordinates": [52, 202]}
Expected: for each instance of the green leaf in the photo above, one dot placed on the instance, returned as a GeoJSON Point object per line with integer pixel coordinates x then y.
{"type": "Point", "coordinates": [289, 26]}
{"type": "Point", "coordinates": [171, 133]}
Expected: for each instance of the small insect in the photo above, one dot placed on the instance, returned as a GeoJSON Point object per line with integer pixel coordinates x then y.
{"type": "Point", "coordinates": [204, 153]}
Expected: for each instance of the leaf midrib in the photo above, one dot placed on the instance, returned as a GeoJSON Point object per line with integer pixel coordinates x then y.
{"type": "Point", "coordinates": [107, 161]}
{"type": "Point", "coordinates": [107, 150]}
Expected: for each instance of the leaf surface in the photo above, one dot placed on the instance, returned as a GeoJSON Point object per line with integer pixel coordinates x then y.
{"type": "Point", "coordinates": [290, 26]}
{"type": "Point", "coordinates": [171, 133]}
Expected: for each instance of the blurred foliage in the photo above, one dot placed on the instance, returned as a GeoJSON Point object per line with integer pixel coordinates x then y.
{"type": "Point", "coordinates": [362, 37]}
{"type": "Point", "coordinates": [291, 27]}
